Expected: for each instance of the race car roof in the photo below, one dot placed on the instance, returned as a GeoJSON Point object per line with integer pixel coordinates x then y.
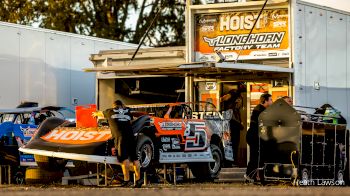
{"type": "Point", "coordinates": [30, 109]}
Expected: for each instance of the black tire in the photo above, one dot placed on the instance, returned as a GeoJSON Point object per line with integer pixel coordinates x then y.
{"type": "Point", "coordinates": [340, 179]}
{"type": "Point", "coordinates": [41, 176]}
{"type": "Point", "coordinates": [208, 171]}
{"type": "Point", "coordinates": [145, 151]}
{"type": "Point", "coordinates": [82, 168]}
{"type": "Point", "coordinates": [304, 176]}
{"type": "Point", "coordinates": [50, 163]}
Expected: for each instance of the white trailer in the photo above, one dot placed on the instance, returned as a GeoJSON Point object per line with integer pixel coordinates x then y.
{"type": "Point", "coordinates": [45, 66]}
{"type": "Point", "coordinates": [321, 55]}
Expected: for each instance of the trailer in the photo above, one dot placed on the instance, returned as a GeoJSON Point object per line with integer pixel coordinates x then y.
{"type": "Point", "coordinates": [44, 66]}
{"type": "Point", "coordinates": [284, 47]}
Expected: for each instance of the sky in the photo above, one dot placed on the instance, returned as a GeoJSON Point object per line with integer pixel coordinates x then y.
{"type": "Point", "coordinates": [337, 4]}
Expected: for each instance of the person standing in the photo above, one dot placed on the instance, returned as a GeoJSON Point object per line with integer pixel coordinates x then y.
{"type": "Point", "coordinates": [253, 136]}
{"type": "Point", "coordinates": [119, 120]}
{"type": "Point", "coordinates": [233, 102]}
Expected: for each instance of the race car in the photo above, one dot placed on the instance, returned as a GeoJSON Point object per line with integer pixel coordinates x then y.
{"type": "Point", "coordinates": [17, 126]}
{"type": "Point", "coordinates": [164, 133]}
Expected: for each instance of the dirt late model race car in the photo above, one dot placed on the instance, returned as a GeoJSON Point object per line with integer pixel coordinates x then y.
{"type": "Point", "coordinates": [164, 133]}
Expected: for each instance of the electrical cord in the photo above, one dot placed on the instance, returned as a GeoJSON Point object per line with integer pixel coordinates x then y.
{"type": "Point", "coordinates": [251, 30]}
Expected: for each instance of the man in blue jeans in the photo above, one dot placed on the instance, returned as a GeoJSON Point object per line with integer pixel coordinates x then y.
{"type": "Point", "coordinates": [253, 136]}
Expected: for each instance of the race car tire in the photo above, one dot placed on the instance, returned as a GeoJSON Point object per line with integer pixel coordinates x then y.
{"type": "Point", "coordinates": [208, 171]}
{"type": "Point", "coordinates": [35, 175]}
{"type": "Point", "coordinates": [82, 168]}
{"type": "Point", "coordinates": [145, 151]}
{"type": "Point", "coordinates": [50, 163]}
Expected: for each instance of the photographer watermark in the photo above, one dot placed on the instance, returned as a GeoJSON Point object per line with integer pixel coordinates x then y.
{"type": "Point", "coordinates": [320, 182]}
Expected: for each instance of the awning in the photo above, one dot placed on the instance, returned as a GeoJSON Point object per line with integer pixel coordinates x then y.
{"type": "Point", "coordinates": [201, 69]}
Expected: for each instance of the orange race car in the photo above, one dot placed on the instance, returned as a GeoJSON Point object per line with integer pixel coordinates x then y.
{"type": "Point", "coordinates": [165, 133]}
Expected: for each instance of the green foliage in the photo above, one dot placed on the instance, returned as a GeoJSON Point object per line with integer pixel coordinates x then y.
{"type": "Point", "coordinates": [104, 18]}
{"type": "Point", "coordinates": [19, 11]}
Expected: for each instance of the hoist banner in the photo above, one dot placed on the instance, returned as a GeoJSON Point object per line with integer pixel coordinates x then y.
{"type": "Point", "coordinates": [229, 34]}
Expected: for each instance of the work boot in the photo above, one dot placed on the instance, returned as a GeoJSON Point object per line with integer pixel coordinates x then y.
{"type": "Point", "coordinates": [248, 179]}
{"type": "Point", "coordinates": [138, 184]}
{"type": "Point", "coordinates": [126, 184]}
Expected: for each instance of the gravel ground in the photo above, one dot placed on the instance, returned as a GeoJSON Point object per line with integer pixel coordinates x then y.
{"type": "Point", "coordinates": [171, 190]}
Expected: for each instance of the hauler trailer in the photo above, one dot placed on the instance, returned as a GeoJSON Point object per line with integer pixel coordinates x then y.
{"type": "Point", "coordinates": [44, 66]}
{"type": "Point", "coordinates": [284, 47]}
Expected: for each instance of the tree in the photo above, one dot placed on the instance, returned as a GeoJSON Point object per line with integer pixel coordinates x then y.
{"type": "Point", "coordinates": [111, 19]}
{"type": "Point", "coordinates": [19, 11]}
{"type": "Point", "coordinates": [169, 28]}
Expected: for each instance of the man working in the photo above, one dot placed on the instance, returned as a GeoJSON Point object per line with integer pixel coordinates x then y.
{"type": "Point", "coordinates": [233, 100]}
{"type": "Point", "coordinates": [253, 136]}
{"type": "Point", "coordinates": [119, 119]}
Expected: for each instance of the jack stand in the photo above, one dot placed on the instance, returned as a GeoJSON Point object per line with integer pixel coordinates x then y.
{"type": "Point", "coordinates": [174, 168]}
{"type": "Point", "coordinates": [7, 170]}
{"type": "Point", "coordinates": [144, 178]}
{"type": "Point", "coordinates": [98, 175]}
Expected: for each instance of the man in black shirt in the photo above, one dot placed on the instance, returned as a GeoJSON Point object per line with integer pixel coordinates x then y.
{"type": "Point", "coordinates": [119, 119]}
{"type": "Point", "coordinates": [253, 135]}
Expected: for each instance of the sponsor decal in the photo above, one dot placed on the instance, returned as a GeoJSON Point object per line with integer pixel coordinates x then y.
{"type": "Point", "coordinates": [210, 86]}
{"type": "Point", "coordinates": [28, 131]}
{"type": "Point", "coordinates": [73, 136]}
{"type": "Point", "coordinates": [170, 143]}
{"type": "Point", "coordinates": [183, 157]}
{"type": "Point", "coordinates": [171, 125]}
{"type": "Point", "coordinates": [208, 115]}
{"type": "Point", "coordinates": [229, 33]}
{"type": "Point", "coordinates": [254, 41]}
{"type": "Point", "coordinates": [207, 28]}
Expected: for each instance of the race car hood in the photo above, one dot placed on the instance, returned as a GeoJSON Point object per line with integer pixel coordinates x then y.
{"type": "Point", "coordinates": [54, 139]}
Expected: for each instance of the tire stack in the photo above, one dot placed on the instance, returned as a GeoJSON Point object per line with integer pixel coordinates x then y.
{"type": "Point", "coordinates": [46, 173]}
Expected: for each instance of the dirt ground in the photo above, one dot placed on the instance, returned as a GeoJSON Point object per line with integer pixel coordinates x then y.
{"type": "Point", "coordinates": [171, 190]}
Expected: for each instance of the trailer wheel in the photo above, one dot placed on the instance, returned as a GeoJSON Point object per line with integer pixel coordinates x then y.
{"type": "Point", "coordinates": [208, 171]}
{"type": "Point", "coordinates": [305, 176]}
{"type": "Point", "coordinates": [340, 178]}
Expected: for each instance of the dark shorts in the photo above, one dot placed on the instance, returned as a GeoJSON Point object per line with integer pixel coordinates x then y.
{"type": "Point", "coordinates": [125, 144]}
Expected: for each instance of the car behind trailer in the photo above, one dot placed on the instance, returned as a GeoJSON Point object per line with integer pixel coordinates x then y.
{"type": "Point", "coordinates": [303, 148]}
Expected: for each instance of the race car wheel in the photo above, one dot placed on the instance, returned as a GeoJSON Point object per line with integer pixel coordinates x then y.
{"type": "Point", "coordinates": [145, 151]}
{"type": "Point", "coordinates": [208, 171]}
{"type": "Point", "coordinates": [50, 163]}
{"type": "Point", "coordinates": [36, 175]}
{"type": "Point", "coordinates": [82, 168]}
